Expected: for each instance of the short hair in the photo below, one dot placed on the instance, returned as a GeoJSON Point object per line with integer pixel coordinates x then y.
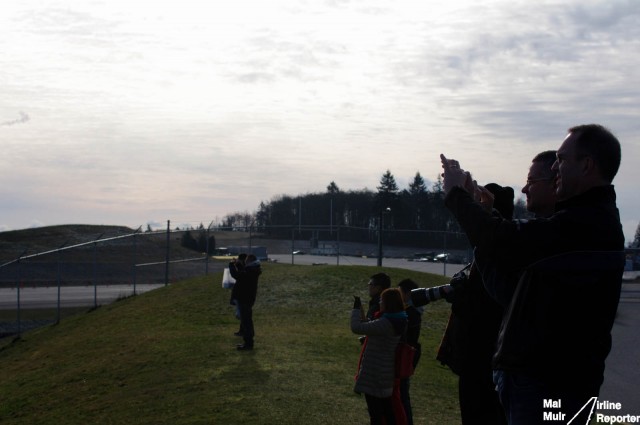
{"type": "Point", "coordinates": [381, 279]}
{"type": "Point", "coordinates": [392, 300]}
{"type": "Point", "coordinates": [547, 158]}
{"type": "Point", "coordinates": [251, 258]}
{"type": "Point", "coordinates": [600, 144]}
{"type": "Point", "coordinates": [407, 285]}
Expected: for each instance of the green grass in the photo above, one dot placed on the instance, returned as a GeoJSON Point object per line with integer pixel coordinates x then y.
{"type": "Point", "coordinates": [168, 357]}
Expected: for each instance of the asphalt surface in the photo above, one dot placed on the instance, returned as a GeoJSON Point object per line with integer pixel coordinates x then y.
{"type": "Point", "coordinates": [622, 373]}
{"type": "Point", "coordinates": [70, 296]}
{"type": "Point", "coordinates": [402, 263]}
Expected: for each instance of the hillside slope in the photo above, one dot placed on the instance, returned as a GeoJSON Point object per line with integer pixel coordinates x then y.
{"type": "Point", "coordinates": [168, 357]}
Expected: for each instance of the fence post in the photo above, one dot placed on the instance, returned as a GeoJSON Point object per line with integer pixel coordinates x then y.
{"type": "Point", "coordinates": [95, 271]}
{"type": "Point", "coordinates": [293, 229]}
{"type": "Point", "coordinates": [95, 274]}
{"type": "Point", "coordinates": [338, 245]}
{"type": "Point", "coordinates": [59, 283]}
{"type": "Point", "coordinates": [166, 268]}
{"type": "Point", "coordinates": [135, 260]}
{"type": "Point", "coordinates": [19, 283]}
{"type": "Point", "coordinates": [206, 264]}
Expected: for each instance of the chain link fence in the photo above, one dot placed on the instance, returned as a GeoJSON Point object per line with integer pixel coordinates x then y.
{"type": "Point", "coordinates": [86, 271]}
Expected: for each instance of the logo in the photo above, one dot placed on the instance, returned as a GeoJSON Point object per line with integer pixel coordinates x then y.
{"type": "Point", "coordinates": [552, 412]}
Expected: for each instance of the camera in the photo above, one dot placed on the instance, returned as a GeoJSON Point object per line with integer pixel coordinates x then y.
{"type": "Point", "coordinates": [423, 296]}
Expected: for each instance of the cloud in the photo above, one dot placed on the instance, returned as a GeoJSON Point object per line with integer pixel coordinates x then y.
{"type": "Point", "coordinates": [192, 108]}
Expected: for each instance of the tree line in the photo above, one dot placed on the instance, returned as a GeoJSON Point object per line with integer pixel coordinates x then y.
{"type": "Point", "coordinates": [413, 216]}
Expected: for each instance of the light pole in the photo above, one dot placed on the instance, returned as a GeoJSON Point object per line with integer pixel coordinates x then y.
{"type": "Point", "coordinates": [380, 226]}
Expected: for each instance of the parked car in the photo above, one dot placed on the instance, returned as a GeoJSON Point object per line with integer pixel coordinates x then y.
{"type": "Point", "coordinates": [423, 257]}
{"type": "Point", "coordinates": [450, 258]}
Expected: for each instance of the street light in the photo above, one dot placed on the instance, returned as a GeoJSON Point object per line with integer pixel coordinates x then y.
{"type": "Point", "coordinates": [386, 210]}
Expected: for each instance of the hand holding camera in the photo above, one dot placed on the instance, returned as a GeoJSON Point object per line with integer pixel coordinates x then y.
{"type": "Point", "coordinates": [423, 296]}
{"type": "Point", "coordinates": [357, 303]}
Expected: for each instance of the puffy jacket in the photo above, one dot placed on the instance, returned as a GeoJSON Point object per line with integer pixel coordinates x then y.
{"type": "Point", "coordinates": [377, 367]}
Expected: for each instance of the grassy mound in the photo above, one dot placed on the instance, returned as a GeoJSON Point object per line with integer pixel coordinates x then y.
{"type": "Point", "coordinates": [168, 357]}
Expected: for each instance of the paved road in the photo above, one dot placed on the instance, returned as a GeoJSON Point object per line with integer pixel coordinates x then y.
{"type": "Point", "coordinates": [622, 375]}
{"type": "Point", "coordinates": [436, 268]}
{"type": "Point", "coordinates": [70, 296]}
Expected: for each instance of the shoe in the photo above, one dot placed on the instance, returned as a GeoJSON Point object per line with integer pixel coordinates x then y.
{"type": "Point", "coordinates": [244, 347]}
{"type": "Point", "coordinates": [239, 333]}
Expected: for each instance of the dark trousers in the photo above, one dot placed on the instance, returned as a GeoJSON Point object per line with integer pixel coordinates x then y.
{"type": "Point", "coordinates": [479, 401]}
{"type": "Point", "coordinates": [380, 410]}
{"type": "Point", "coordinates": [406, 400]}
{"type": "Point", "coordinates": [523, 398]}
{"type": "Point", "coordinates": [246, 322]}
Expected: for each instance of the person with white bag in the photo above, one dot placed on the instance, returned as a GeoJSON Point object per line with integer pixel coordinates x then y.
{"type": "Point", "coordinates": [228, 282]}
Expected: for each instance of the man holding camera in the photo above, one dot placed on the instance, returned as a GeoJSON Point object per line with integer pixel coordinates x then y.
{"type": "Point", "coordinates": [244, 293]}
{"type": "Point", "coordinates": [556, 330]}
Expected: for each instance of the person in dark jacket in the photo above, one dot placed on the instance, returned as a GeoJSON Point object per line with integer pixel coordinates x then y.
{"type": "Point", "coordinates": [414, 317]}
{"type": "Point", "coordinates": [556, 331]}
{"type": "Point", "coordinates": [244, 292]}
{"type": "Point", "coordinates": [470, 337]}
{"type": "Point", "coordinates": [238, 264]}
{"type": "Point", "coordinates": [377, 283]}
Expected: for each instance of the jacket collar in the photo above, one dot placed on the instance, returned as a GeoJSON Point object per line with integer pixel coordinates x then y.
{"type": "Point", "coordinates": [595, 195]}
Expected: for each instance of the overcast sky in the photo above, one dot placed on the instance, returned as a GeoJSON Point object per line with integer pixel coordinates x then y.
{"type": "Point", "coordinates": [135, 112]}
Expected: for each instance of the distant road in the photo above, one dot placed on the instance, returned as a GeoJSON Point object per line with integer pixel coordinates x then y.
{"type": "Point", "coordinates": [70, 296]}
{"type": "Point", "coordinates": [401, 263]}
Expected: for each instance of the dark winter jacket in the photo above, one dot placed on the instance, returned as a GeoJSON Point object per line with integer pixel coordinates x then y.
{"type": "Point", "coordinates": [469, 342]}
{"type": "Point", "coordinates": [246, 287]}
{"type": "Point", "coordinates": [557, 325]}
{"type": "Point", "coordinates": [414, 325]}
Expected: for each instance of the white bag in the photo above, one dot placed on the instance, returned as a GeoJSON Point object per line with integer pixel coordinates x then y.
{"type": "Point", "coordinates": [227, 280]}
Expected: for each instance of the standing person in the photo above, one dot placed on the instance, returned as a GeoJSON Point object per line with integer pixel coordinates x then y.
{"type": "Point", "coordinates": [469, 341]}
{"type": "Point", "coordinates": [556, 331]}
{"type": "Point", "coordinates": [245, 291]}
{"type": "Point", "coordinates": [377, 283]}
{"type": "Point", "coordinates": [540, 188]}
{"type": "Point", "coordinates": [376, 371]}
{"type": "Point", "coordinates": [238, 264]}
{"type": "Point", "coordinates": [414, 317]}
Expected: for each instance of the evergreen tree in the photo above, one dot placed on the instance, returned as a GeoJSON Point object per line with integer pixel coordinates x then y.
{"type": "Point", "coordinates": [333, 188]}
{"type": "Point", "coordinates": [388, 184]}
{"type": "Point", "coordinates": [438, 186]}
{"type": "Point", "coordinates": [417, 186]}
{"type": "Point", "coordinates": [636, 239]}
{"type": "Point", "coordinates": [414, 203]}
{"type": "Point", "coordinates": [188, 241]}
